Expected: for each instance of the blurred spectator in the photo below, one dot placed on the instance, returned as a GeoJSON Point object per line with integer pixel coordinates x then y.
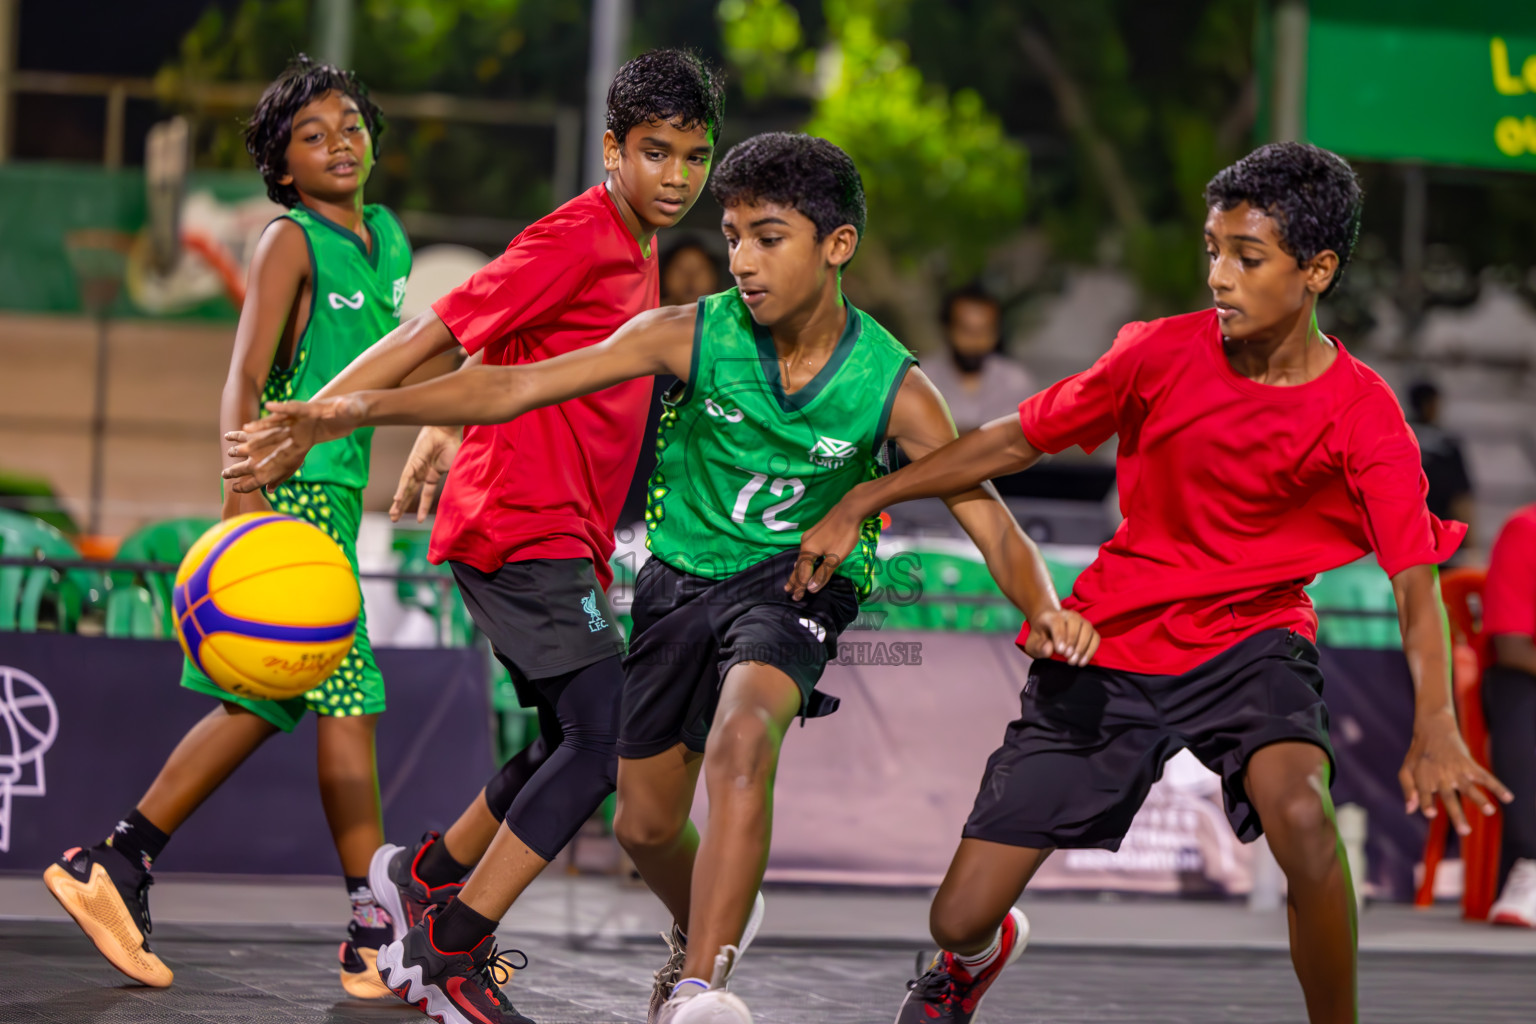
{"type": "Point", "coordinates": [1450, 488]}
{"type": "Point", "coordinates": [979, 382]}
{"type": "Point", "coordinates": [1509, 700]}
{"type": "Point", "coordinates": [688, 270]}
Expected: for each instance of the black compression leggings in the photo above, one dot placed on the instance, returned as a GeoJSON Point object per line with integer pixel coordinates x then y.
{"type": "Point", "coordinates": [549, 790]}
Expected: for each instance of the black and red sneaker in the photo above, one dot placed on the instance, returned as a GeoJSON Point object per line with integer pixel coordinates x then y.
{"type": "Point", "coordinates": [454, 988]}
{"type": "Point", "coordinates": [399, 889]}
{"type": "Point", "coordinates": [948, 992]}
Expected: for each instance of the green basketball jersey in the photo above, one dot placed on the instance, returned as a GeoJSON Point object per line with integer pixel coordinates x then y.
{"type": "Point", "coordinates": [742, 469]}
{"type": "Point", "coordinates": [355, 301]}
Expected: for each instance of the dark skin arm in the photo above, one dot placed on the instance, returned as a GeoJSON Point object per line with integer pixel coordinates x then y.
{"type": "Point", "coordinates": [658, 341]}
{"type": "Point", "coordinates": [1438, 762]}
{"type": "Point", "coordinates": [920, 424]}
{"type": "Point", "coordinates": [388, 362]}
{"type": "Point", "coordinates": [1515, 650]}
{"type": "Point", "coordinates": [956, 468]}
{"type": "Point", "coordinates": [276, 303]}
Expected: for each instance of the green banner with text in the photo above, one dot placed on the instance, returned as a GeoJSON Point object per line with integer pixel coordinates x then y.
{"type": "Point", "coordinates": [1433, 82]}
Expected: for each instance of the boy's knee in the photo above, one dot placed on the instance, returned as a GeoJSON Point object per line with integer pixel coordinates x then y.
{"type": "Point", "coordinates": [645, 829]}
{"type": "Point", "coordinates": [741, 746]}
{"type": "Point", "coordinates": [1301, 832]}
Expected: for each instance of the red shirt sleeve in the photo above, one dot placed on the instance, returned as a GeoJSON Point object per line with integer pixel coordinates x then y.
{"type": "Point", "coordinates": [1385, 475]}
{"type": "Point", "coordinates": [1509, 596]}
{"type": "Point", "coordinates": [523, 287]}
{"type": "Point", "coordinates": [1083, 409]}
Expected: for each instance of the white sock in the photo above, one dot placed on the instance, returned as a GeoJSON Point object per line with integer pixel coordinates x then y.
{"type": "Point", "coordinates": [703, 985]}
{"type": "Point", "coordinates": [982, 960]}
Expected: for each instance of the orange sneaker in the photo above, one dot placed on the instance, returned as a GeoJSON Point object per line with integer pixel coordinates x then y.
{"type": "Point", "coordinates": [113, 916]}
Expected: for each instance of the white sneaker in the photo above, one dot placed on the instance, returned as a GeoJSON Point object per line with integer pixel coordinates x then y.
{"type": "Point", "coordinates": [1517, 903]}
{"type": "Point", "coordinates": [714, 1005]}
{"type": "Point", "coordinates": [677, 954]}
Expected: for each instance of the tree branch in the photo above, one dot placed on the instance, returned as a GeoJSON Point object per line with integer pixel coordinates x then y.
{"type": "Point", "coordinates": [1076, 115]}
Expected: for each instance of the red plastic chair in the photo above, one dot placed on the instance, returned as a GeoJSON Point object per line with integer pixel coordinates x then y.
{"type": "Point", "coordinates": [1462, 590]}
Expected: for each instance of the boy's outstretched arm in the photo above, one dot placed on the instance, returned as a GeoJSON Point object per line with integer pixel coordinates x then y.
{"type": "Point", "coordinates": [952, 468]}
{"type": "Point", "coordinates": [920, 424]}
{"type": "Point", "coordinates": [1438, 762]}
{"type": "Point", "coordinates": [658, 341]}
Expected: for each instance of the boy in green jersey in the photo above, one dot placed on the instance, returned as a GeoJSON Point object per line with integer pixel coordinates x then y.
{"type": "Point", "coordinates": [325, 282]}
{"type": "Point", "coordinates": [787, 395]}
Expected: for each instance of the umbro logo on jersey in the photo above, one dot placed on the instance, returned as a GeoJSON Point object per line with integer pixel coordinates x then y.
{"type": "Point", "coordinates": [354, 302]}
{"type": "Point", "coordinates": [831, 453]}
{"type": "Point", "coordinates": [398, 296]}
{"type": "Point", "coordinates": [716, 410]}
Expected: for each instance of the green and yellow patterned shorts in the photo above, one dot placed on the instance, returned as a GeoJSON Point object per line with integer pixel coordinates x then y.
{"type": "Point", "coordinates": [356, 688]}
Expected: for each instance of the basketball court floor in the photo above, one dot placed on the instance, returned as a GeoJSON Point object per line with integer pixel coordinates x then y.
{"type": "Point", "coordinates": [265, 952]}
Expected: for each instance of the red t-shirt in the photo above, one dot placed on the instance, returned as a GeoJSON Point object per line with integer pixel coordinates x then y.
{"type": "Point", "coordinates": [1235, 494]}
{"type": "Point", "coordinates": [551, 483]}
{"type": "Point", "coordinates": [1509, 595]}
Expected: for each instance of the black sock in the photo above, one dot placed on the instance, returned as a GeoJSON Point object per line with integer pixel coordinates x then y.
{"type": "Point", "coordinates": [459, 928]}
{"type": "Point", "coordinates": [137, 840]}
{"type": "Point", "coordinates": [437, 866]}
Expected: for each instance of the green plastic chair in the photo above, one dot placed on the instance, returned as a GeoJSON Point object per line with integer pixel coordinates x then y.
{"type": "Point", "coordinates": [25, 590]}
{"type": "Point", "coordinates": [140, 604]}
{"type": "Point", "coordinates": [131, 613]}
{"type": "Point", "coordinates": [166, 541]}
{"type": "Point", "coordinates": [413, 546]}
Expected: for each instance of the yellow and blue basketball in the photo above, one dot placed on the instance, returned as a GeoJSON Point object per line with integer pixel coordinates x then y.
{"type": "Point", "coordinates": [266, 605]}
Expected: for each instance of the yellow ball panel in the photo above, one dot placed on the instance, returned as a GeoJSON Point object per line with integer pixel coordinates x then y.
{"type": "Point", "coordinates": [279, 542]}
{"type": "Point", "coordinates": [291, 595]}
{"type": "Point", "coordinates": [204, 544]}
{"type": "Point", "coordinates": [264, 670]}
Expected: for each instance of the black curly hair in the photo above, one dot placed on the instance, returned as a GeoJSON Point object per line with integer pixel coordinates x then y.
{"type": "Point", "coordinates": [270, 128]}
{"type": "Point", "coordinates": [1313, 195]}
{"type": "Point", "coordinates": [810, 174]}
{"type": "Point", "coordinates": [674, 86]}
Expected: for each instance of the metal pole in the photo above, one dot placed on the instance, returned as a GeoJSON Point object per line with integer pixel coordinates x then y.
{"type": "Point", "coordinates": [333, 32]}
{"type": "Point", "coordinates": [610, 39]}
{"type": "Point", "coordinates": [1415, 220]}
{"type": "Point", "coordinates": [117, 115]}
{"type": "Point", "coordinates": [98, 425]}
{"type": "Point", "coordinates": [1288, 122]}
{"type": "Point", "coordinates": [9, 10]}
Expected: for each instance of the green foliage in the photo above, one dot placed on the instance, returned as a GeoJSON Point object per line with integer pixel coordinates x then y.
{"type": "Point", "coordinates": [491, 48]}
{"type": "Point", "coordinates": [944, 182]}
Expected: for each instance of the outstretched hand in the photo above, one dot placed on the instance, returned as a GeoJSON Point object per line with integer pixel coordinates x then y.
{"type": "Point", "coordinates": [823, 548]}
{"type": "Point", "coordinates": [273, 448]}
{"type": "Point", "coordinates": [430, 459]}
{"type": "Point", "coordinates": [1439, 765]}
{"type": "Point", "coordinates": [1063, 634]}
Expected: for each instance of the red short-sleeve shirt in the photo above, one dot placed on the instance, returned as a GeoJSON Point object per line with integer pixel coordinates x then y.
{"type": "Point", "coordinates": [1509, 595]}
{"type": "Point", "coordinates": [1235, 494]}
{"type": "Point", "coordinates": [551, 483]}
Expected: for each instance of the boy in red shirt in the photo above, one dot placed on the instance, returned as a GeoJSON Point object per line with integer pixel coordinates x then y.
{"type": "Point", "coordinates": [1254, 453]}
{"type": "Point", "coordinates": [1509, 698]}
{"type": "Point", "coordinates": [527, 518]}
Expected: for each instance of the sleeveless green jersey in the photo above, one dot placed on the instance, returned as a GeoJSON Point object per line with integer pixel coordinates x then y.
{"type": "Point", "coordinates": [355, 294]}
{"type": "Point", "coordinates": [743, 468]}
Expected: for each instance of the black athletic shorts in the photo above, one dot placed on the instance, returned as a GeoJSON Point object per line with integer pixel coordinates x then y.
{"type": "Point", "coordinates": [544, 617]}
{"type": "Point", "coordinates": [690, 630]}
{"type": "Point", "coordinates": [1074, 769]}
